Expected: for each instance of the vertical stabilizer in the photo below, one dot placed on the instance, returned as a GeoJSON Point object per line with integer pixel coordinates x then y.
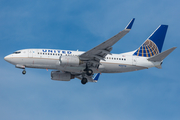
{"type": "Point", "coordinates": [154, 43]}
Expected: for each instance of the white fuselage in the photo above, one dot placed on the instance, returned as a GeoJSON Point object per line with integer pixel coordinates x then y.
{"type": "Point", "coordinates": [49, 59]}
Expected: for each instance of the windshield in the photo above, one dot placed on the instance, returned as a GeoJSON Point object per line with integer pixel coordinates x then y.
{"type": "Point", "coordinates": [17, 52]}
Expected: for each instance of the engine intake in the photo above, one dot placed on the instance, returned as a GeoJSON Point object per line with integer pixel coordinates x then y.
{"type": "Point", "coordinates": [70, 61]}
{"type": "Point", "coordinates": [57, 75]}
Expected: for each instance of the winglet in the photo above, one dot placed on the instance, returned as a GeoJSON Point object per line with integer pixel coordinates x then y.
{"type": "Point", "coordinates": [96, 77]}
{"type": "Point", "coordinates": [129, 26]}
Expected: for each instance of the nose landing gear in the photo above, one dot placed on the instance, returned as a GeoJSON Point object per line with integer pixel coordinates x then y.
{"type": "Point", "coordinates": [21, 67]}
{"type": "Point", "coordinates": [24, 72]}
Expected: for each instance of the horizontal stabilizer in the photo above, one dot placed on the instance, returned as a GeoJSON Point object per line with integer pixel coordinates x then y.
{"type": "Point", "coordinates": [159, 67]}
{"type": "Point", "coordinates": [162, 55]}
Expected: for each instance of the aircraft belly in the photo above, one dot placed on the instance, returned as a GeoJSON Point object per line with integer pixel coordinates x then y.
{"type": "Point", "coordinates": [40, 63]}
{"type": "Point", "coordinates": [119, 68]}
{"type": "Point", "coordinates": [71, 69]}
{"type": "Point", "coordinates": [44, 63]}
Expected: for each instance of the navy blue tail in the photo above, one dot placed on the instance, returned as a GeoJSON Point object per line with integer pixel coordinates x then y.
{"type": "Point", "coordinates": [153, 45]}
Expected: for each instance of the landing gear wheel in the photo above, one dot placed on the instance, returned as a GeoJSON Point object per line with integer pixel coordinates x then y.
{"type": "Point", "coordinates": [84, 81]}
{"type": "Point", "coordinates": [24, 72]}
{"type": "Point", "coordinates": [89, 72]}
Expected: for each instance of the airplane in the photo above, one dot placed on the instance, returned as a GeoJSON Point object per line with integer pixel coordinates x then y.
{"type": "Point", "coordinates": [70, 64]}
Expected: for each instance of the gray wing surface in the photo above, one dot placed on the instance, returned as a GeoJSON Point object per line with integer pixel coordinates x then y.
{"type": "Point", "coordinates": [99, 52]}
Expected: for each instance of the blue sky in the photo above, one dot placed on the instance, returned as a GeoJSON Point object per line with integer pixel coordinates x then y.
{"type": "Point", "coordinates": [78, 24]}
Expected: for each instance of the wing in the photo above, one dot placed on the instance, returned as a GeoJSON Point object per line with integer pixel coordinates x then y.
{"type": "Point", "coordinates": [99, 52]}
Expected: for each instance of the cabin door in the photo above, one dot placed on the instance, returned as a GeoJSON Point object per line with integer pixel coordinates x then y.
{"type": "Point", "coordinates": [30, 53]}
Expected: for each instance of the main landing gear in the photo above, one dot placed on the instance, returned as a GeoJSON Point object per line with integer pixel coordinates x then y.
{"type": "Point", "coordinates": [24, 72]}
{"type": "Point", "coordinates": [84, 81]}
{"type": "Point", "coordinates": [88, 71]}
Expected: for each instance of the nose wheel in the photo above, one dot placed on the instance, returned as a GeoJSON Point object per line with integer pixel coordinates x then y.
{"type": "Point", "coordinates": [24, 72]}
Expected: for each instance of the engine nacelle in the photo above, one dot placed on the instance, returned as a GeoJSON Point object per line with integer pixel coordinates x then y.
{"type": "Point", "coordinates": [70, 61]}
{"type": "Point", "coordinates": [56, 75]}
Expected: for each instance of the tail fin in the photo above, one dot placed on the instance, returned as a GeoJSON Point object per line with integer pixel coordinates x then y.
{"type": "Point", "coordinates": [153, 45]}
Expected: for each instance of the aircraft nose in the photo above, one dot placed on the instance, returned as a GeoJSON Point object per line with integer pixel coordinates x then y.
{"type": "Point", "coordinates": [7, 58]}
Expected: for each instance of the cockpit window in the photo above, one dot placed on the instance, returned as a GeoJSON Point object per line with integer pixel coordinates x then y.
{"type": "Point", "coordinates": [17, 52]}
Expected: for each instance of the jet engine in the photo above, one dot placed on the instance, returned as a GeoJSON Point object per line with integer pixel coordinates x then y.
{"type": "Point", "coordinates": [70, 61]}
{"type": "Point", "coordinates": [59, 76]}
